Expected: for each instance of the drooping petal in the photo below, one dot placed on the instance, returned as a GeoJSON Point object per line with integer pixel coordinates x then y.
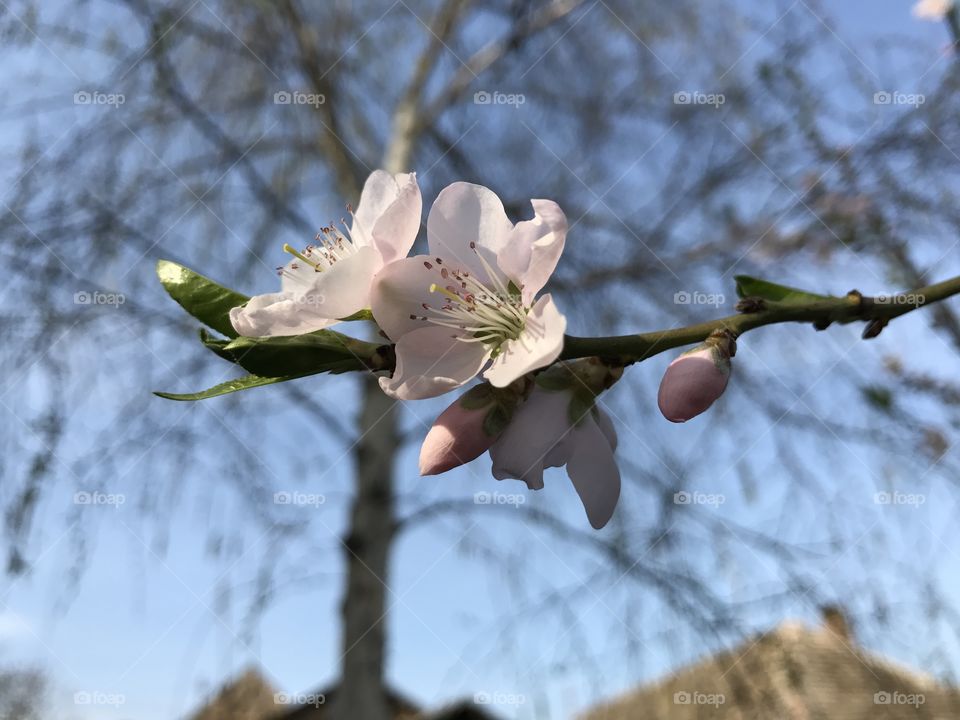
{"type": "Point", "coordinates": [464, 213]}
{"type": "Point", "coordinates": [277, 314]}
{"type": "Point", "coordinates": [532, 437]}
{"type": "Point", "coordinates": [431, 362]}
{"type": "Point", "coordinates": [400, 290]}
{"type": "Point", "coordinates": [530, 254]}
{"type": "Point", "coordinates": [388, 214]}
{"type": "Point", "coordinates": [594, 472]}
{"type": "Point", "coordinates": [606, 426]}
{"type": "Point", "coordinates": [539, 344]}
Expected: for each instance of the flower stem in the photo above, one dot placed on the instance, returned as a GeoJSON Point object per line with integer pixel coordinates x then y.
{"type": "Point", "coordinates": [849, 308]}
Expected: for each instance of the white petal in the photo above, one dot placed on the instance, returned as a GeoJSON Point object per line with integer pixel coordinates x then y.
{"type": "Point", "coordinates": [344, 288]}
{"type": "Point", "coordinates": [399, 291]}
{"type": "Point", "coordinates": [277, 314]}
{"type": "Point", "coordinates": [534, 247]}
{"type": "Point", "coordinates": [539, 344]}
{"type": "Point", "coordinates": [606, 426]}
{"type": "Point", "coordinates": [388, 215]}
{"type": "Point", "coordinates": [594, 472]}
{"type": "Point", "coordinates": [532, 438]}
{"type": "Point", "coordinates": [430, 362]}
{"type": "Point", "coordinates": [464, 213]}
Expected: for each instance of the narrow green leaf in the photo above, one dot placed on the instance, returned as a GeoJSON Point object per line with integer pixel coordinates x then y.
{"type": "Point", "coordinates": [754, 287]}
{"type": "Point", "coordinates": [320, 351]}
{"type": "Point", "coordinates": [231, 386]}
{"type": "Point", "coordinates": [200, 296]}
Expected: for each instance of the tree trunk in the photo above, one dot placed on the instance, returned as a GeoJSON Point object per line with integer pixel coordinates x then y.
{"type": "Point", "coordinates": [362, 690]}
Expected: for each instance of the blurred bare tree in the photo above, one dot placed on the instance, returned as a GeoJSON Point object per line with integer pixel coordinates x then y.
{"type": "Point", "coordinates": [685, 145]}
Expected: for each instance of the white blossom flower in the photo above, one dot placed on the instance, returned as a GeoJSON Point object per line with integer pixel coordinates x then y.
{"type": "Point", "coordinates": [932, 9]}
{"type": "Point", "coordinates": [470, 304]}
{"type": "Point", "coordinates": [331, 279]}
{"type": "Point", "coordinates": [541, 434]}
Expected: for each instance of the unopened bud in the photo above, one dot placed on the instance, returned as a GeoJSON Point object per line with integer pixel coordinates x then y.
{"type": "Point", "coordinates": [695, 380]}
{"type": "Point", "coordinates": [468, 427]}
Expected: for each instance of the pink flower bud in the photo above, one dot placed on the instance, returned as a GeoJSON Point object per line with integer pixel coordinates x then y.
{"type": "Point", "coordinates": [457, 437]}
{"type": "Point", "coordinates": [693, 382]}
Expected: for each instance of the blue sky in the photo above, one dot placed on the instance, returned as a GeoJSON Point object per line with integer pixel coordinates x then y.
{"type": "Point", "coordinates": [147, 620]}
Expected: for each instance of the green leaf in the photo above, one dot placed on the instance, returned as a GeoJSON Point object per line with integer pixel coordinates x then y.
{"type": "Point", "coordinates": [231, 386]}
{"type": "Point", "coordinates": [316, 352]}
{"type": "Point", "coordinates": [206, 300]}
{"type": "Point", "coordinates": [477, 397]}
{"type": "Point", "coordinates": [581, 405]}
{"type": "Point", "coordinates": [496, 420]}
{"type": "Point", "coordinates": [754, 287]}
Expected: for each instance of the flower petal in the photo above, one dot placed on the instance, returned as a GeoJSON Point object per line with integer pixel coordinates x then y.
{"type": "Point", "coordinates": [464, 213]}
{"type": "Point", "coordinates": [431, 362]}
{"type": "Point", "coordinates": [533, 437]}
{"type": "Point", "coordinates": [278, 314]}
{"type": "Point", "coordinates": [594, 472]}
{"type": "Point", "coordinates": [399, 290]}
{"type": "Point", "coordinates": [606, 426]}
{"type": "Point", "coordinates": [388, 214]}
{"type": "Point", "coordinates": [344, 288]}
{"type": "Point", "coordinates": [534, 247]}
{"type": "Point", "coordinates": [539, 344]}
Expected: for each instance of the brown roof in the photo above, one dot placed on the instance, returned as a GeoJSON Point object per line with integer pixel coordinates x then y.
{"type": "Point", "coordinates": [249, 697]}
{"type": "Point", "coordinates": [791, 673]}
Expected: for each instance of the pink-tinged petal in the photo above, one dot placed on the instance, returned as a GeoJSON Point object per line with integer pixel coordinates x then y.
{"type": "Point", "coordinates": [456, 438]}
{"type": "Point", "coordinates": [344, 288]}
{"type": "Point", "coordinates": [539, 344]}
{"type": "Point", "coordinates": [388, 215]}
{"type": "Point", "coordinates": [534, 247]}
{"type": "Point", "coordinates": [400, 290]}
{"type": "Point", "coordinates": [533, 439]}
{"type": "Point", "coordinates": [278, 314]}
{"type": "Point", "coordinates": [462, 214]}
{"type": "Point", "coordinates": [692, 383]}
{"type": "Point", "coordinates": [430, 362]}
{"type": "Point", "coordinates": [594, 472]}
